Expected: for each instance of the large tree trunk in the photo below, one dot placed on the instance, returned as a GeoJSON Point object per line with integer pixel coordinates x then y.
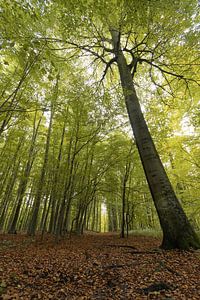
{"type": "Point", "coordinates": [177, 231]}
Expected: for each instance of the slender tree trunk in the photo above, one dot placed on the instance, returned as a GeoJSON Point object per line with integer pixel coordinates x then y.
{"type": "Point", "coordinates": [93, 215]}
{"type": "Point", "coordinates": [44, 212]}
{"type": "Point", "coordinates": [3, 181]}
{"type": "Point", "coordinates": [25, 215]}
{"type": "Point", "coordinates": [25, 177]}
{"type": "Point", "coordinates": [89, 214]}
{"type": "Point", "coordinates": [177, 231]}
{"type": "Point", "coordinates": [110, 217]}
{"type": "Point", "coordinates": [123, 208]}
{"type": "Point", "coordinates": [125, 179]}
{"type": "Point", "coordinates": [12, 100]}
{"type": "Point", "coordinates": [64, 205]}
{"type": "Point", "coordinates": [10, 185]}
{"type": "Point", "coordinates": [114, 217]}
{"type": "Point", "coordinates": [33, 222]}
{"type": "Point", "coordinates": [8, 194]}
{"type": "Point", "coordinates": [54, 191]}
{"type": "Point", "coordinates": [97, 216]}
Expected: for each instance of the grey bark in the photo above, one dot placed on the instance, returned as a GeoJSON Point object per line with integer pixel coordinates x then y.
{"type": "Point", "coordinates": [33, 222]}
{"type": "Point", "coordinates": [177, 231]}
{"type": "Point", "coordinates": [53, 201]}
{"type": "Point", "coordinates": [25, 176]}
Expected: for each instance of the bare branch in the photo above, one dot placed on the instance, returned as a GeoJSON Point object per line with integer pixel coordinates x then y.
{"type": "Point", "coordinates": [161, 69]}
{"type": "Point", "coordinates": [140, 43]}
{"type": "Point", "coordinates": [23, 110]}
{"type": "Point", "coordinates": [108, 65]}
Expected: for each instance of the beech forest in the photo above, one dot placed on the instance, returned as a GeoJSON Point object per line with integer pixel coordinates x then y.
{"type": "Point", "coordinates": [99, 149]}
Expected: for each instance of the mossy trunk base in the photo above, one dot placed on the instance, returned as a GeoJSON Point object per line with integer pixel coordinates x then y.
{"type": "Point", "coordinates": [183, 241]}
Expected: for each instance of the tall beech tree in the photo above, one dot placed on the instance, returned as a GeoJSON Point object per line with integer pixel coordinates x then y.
{"type": "Point", "coordinates": [177, 231]}
{"type": "Point", "coordinates": [38, 197]}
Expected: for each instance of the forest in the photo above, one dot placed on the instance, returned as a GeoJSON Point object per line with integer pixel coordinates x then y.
{"type": "Point", "coordinates": [99, 149]}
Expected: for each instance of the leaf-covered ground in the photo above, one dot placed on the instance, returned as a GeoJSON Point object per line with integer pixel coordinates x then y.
{"type": "Point", "coordinates": [96, 267]}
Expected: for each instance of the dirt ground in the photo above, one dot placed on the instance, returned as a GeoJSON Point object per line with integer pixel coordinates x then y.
{"type": "Point", "coordinates": [96, 266]}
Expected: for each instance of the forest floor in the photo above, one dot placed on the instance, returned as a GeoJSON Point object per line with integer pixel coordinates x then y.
{"type": "Point", "coordinates": [96, 266]}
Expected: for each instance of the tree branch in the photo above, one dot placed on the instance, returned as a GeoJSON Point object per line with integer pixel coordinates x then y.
{"type": "Point", "coordinates": [108, 65]}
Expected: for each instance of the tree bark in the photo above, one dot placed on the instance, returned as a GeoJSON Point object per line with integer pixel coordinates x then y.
{"type": "Point", "coordinates": [177, 231]}
{"type": "Point", "coordinates": [54, 192]}
{"type": "Point", "coordinates": [36, 206]}
{"type": "Point", "coordinates": [24, 180]}
{"type": "Point", "coordinates": [123, 222]}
